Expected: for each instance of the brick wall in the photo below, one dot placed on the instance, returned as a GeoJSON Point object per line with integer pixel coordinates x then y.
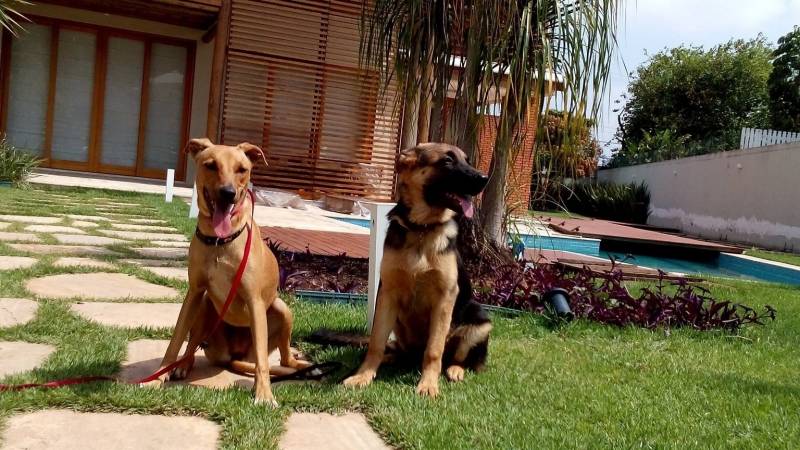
{"type": "Point", "coordinates": [519, 177]}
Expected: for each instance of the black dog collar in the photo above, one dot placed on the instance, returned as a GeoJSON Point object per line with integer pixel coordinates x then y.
{"type": "Point", "coordinates": [217, 241]}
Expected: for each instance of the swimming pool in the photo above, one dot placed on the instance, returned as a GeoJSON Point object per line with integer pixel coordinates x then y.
{"type": "Point", "coordinates": [721, 265]}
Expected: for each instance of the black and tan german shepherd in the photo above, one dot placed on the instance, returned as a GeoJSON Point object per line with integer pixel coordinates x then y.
{"type": "Point", "coordinates": [425, 295]}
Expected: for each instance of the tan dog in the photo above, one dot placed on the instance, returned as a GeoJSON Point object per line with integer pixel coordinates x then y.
{"type": "Point", "coordinates": [425, 295]}
{"type": "Point", "coordinates": [257, 321]}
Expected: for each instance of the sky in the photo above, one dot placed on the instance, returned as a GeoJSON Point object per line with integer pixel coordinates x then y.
{"type": "Point", "coordinates": [652, 25]}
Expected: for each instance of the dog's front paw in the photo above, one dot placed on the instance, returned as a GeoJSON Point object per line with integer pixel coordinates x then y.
{"type": "Point", "coordinates": [455, 373]}
{"type": "Point", "coordinates": [428, 388]}
{"type": "Point", "coordinates": [270, 402]}
{"type": "Point", "coordinates": [263, 396]}
{"type": "Point", "coordinates": [182, 370]}
{"type": "Point", "coordinates": [360, 379]}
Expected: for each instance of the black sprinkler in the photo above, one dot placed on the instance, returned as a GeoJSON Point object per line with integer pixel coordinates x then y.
{"type": "Point", "coordinates": [557, 301]}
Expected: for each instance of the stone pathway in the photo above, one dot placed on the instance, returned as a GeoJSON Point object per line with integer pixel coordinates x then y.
{"type": "Point", "coordinates": [179, 273]}
{"type": "Point", "coordinates": [82, 239]}
{"type": "Point", "coordinates": [144, 357]}
{"type": "Point", "coordinates": [144, 236]}
{"type": "Point", "coordinates": [30, 219]}
{"type": "Point", "coordinates": [18, 357]}
{"type": "Point", "coordinates": [97, 286]}
{"type": "Point", "coordinates": [82, 262]}
{"type": "Point", "coordinates": [346, 432]}
{"type": "Point", "coordinates": [16, 262]}
{"type": "Point", "coordinates": [44, 430]}
{"type": "Point", "coordinates": [16, 311]}
{"type": "Point", "coordinates": [129, 315]}
{"type": "Point", "coordinates": [18, 237]}
{"type": "Point", "coordinates": [162, 252]}
{"type": "Point", "coordinates": [54, 229]}
{"type": "Point", "coordinates": [41, 249]}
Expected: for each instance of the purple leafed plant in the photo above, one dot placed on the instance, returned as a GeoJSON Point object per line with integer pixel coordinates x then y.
{"type": "Point", "coordinates": [605, 299]}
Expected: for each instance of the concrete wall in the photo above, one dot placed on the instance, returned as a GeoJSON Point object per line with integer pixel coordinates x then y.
{"type": "Point", "coordinates": [203, 56]}
{"type": "Point", "coordinates": [745, 196]}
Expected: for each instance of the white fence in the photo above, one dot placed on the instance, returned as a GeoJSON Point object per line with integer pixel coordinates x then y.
{"type": "Point", "coordinates": [753, 137]}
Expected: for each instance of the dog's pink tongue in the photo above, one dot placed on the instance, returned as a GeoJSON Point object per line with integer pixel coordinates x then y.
{"type": "Point", "coordinates": [466, 207]}
{"type": "Point", "coordinates": [221, 221]}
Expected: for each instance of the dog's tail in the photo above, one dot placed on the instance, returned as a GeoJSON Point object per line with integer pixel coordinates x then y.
{"type": "Point", "coordinates": [341, 338]}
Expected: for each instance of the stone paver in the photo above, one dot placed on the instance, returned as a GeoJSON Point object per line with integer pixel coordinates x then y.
{"type": "Point", "coordinates": [89, 218]}
{"type": "Point", "coordinates": [99, 286]}
{"type": "Point", "coordinates": [82, 262]}
{"type": "Point", "coordinates": [43, 249]}
{"type": "Point", "coordinates": [16, 311]}
{"type": "Point", "coordinates": [53, 229]}
{"type": "Point", "coordinates": [18, 237]}
{"type": "Point", "coordinates": [84, 239]}
{"type": "Point", "coordinates": [347, 432]}
{"type": "Point", "coordinates": [30, 219]}
{"type": "Point", "coordinates": [130, 315]}
{"type": "Point", "coordinates": [179, 273]}
{"type": "Point", "coordinates": [63, 429]}
{"type": "Point", "coordinates": [144, 236]}
{"type": "Point", "coordinates": [162, 252]}
{"type": "Point", "coordinates": [16, 357]}
{"type": "Point", "coordinates": [151, 262]}
{"type": "Point", "coordinates": [144, 357]}
{"type": "Point", "coordinates": [147, 221]}
{"type": "Point", "coordinates": [4, 225]}
{"type": "Point", "coordinates": [84, 224]}
{"type": "Point", "coordinates": [16, 262]}
{"type": "Point", "coordinates": [140, 227]}
{"type": "Point", "coordinates": [173, 244]}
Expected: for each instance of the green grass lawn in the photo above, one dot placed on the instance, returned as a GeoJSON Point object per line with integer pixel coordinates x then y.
{"type": "Point", "coordinates": [788, 258]}
{"type": "Point", "coordinates": [584, 385]}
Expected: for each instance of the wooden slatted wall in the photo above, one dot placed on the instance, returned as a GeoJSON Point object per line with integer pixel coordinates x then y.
{"type": "Point", "coordinates": [293, 86]}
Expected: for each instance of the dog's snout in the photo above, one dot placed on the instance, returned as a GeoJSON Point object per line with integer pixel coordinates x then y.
{"type": "Point", "coordinates": [227, 193]}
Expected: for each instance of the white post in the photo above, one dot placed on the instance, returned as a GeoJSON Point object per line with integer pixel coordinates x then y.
{"type": "Point", "coordinates": [194, 210]}
{"type": "Point", "coordinates": [379, 224]}
{"type": "Point", "coordinates": [170, 185]}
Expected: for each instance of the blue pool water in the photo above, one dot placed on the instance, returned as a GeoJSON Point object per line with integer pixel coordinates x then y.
{"type": "Point", "coordinates": [360, 222]}
{"type": "Point", "coordinates": [724, 265]}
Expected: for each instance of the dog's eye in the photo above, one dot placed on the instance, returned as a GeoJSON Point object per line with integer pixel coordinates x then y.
{"type": "Point", "coordinates": [211, 165]}
{"type": "Point", "coordinates": [241, 169]}
{"type": "Point", "coordinates": [447, 160]}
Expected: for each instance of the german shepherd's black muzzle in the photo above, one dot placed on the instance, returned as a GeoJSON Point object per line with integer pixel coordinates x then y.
{"type": "Point", "coordinates": [454, 185]}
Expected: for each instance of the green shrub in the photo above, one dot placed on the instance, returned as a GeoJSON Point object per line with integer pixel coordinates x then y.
{"type": "Point", "coordinates": [15, 165]}
{"type": "Point", "coordinates": [620, 202]}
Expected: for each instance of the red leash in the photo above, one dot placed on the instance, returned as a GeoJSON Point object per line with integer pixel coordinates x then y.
{"type": "Point", "coordinates": [237, 280]}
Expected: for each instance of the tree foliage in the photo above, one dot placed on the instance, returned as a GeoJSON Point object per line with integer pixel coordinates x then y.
{"type": "Point", "coordinates": [480, 52]}
{"type": "Point", "coordinates": [700, 98]}
{"type": "Point", "coordinates": [784, 83]}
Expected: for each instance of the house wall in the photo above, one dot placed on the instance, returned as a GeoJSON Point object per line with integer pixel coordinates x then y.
{"type": "Point", "coordinates": [745, 196]}
{"type": "Point", "coordinates": [203, 57]}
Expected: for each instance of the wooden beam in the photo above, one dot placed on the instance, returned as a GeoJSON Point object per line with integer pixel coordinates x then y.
{"type": "Point", "coordinates": [5, 75]}
{"type": "Point", "coordinates": [218, 71]}
{"type": "Point", "coordinates": [144, 104]}
{"type": "Point", "coordinates": [47, 151]}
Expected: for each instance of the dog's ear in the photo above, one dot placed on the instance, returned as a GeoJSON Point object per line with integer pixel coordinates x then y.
{"type": "Point", "coordinates": [408, 158]}
{"type": "Point", "coordinates": [195, 146]}
{"type": "Point", "coordinates": [253, 152]}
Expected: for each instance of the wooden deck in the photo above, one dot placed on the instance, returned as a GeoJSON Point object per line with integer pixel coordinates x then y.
{"type": "Point", "coordinates": [574, 261]}
{"type": "Point", "coordinates": [603, 229]}
{"type": "Point", "coordinates": [326, 243]}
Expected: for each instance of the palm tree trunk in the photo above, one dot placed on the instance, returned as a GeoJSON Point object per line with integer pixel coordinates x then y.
{"type": "Point", "coordinates": [425, 100]}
